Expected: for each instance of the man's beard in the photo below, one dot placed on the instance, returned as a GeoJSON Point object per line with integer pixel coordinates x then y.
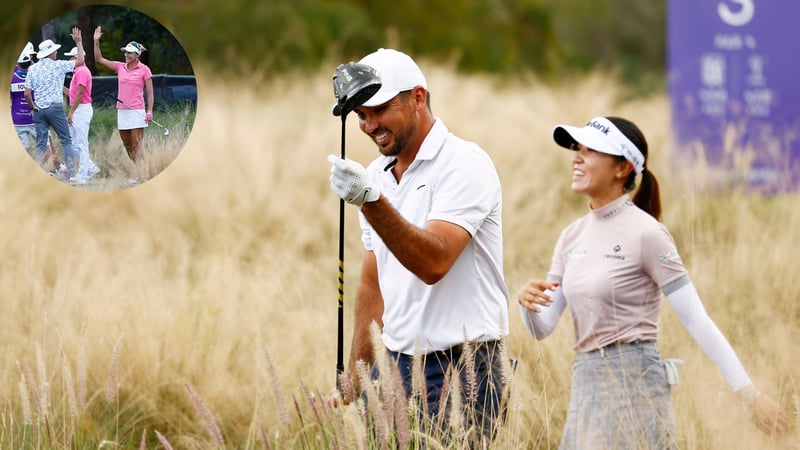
{"type": "Point", "coordinates": [401, 141]}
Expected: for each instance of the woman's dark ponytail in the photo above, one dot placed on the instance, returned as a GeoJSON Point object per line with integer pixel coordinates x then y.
{"type": "Point", "coordinates": [648, 196]}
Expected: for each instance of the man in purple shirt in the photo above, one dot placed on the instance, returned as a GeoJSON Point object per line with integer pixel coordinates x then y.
{"type": "Point", "coordinates": [20, 111]}
{"type": "Point", "coordinates": [21, 114]}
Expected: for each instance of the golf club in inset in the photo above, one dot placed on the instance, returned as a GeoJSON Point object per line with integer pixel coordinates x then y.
{"type": "Point", "coordinates": [111, 96]}
{"type": "Point", "coordinates": [353, 84]}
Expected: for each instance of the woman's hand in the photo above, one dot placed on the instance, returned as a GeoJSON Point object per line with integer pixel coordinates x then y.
{"type": "Point", "coordinates": [765, 412]}
{"type": "Point", "coordinates": [98, 32]}
{"type": "Point", "coordinates": [532, 294]}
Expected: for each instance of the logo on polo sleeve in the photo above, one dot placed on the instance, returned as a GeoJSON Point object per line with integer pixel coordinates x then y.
{"type": "Point", "coordinates": [669, 256]}
{"type": "Point", "coordinates": [576, 253]}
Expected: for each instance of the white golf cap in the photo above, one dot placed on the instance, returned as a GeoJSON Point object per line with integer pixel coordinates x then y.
{"type": "Point", "coordinates": [46, 48]}
{"type": "Point", "coordinates": [133, 47]}
{"type": "Point", "coordinates": [73, 52]}
{"type": "Point", "coordinates": [25, 56]}
{"type": "Point", "coordinates": [398, 73]}
{"type": "Point", "coordinates": [602, 135]}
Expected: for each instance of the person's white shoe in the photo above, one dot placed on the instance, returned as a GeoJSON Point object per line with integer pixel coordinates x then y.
{"type": "Point", "coordinates": [77, 180]}
{"type": "Point", "coordinates": [62, 174]}
{"type": "Point", "coordinates": [94, 170]}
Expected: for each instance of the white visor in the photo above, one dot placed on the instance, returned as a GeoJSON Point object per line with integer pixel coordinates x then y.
{"type": "Point", "coordinates": [602, 135]}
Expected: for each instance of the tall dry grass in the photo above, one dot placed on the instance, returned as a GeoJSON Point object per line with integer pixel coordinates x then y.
{"type": "Point", "coordinates": [117, 170]}
{"type": "Point", "coordinates": [200, 307]}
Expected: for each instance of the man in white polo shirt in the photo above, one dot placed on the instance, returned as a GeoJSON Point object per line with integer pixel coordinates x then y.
{"type": "Point", "coordinates": [432, 277]}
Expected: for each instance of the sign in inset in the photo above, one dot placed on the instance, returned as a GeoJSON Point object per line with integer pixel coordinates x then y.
{"type": "Point", "coordinates": [733, 89]}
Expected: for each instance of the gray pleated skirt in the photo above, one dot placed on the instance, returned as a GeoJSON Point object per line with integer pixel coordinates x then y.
{"type": "Point", "coordinates": [620, 399]}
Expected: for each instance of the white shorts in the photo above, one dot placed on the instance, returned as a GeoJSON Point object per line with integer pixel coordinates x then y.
{"type": "Point", "coordinates": [128, 119]}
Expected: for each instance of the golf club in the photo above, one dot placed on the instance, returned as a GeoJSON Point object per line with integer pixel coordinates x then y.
{"type": "Point", "coordinates": [353, 84]}
{"type": "Point", "coordinates": [111, 96]}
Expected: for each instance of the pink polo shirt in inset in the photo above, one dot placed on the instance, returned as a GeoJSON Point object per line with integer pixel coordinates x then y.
{"type": "Point", "coordinates": [81, 77]}
{"type": "Point", "coordinates": [613, 264]}
{"type": "Point", "coordinates": [131, 84]}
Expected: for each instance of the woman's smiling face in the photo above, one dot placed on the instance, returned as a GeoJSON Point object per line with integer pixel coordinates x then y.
{"type": "Point", "coordinates": [598, 175]}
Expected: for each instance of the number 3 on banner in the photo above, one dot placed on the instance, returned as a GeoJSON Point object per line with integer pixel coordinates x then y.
{"type": "Point", "coordinates": [737, 18]}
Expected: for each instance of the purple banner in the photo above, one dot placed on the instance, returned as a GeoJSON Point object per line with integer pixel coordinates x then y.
{"type": "Point", "coordinates": [734, 82]}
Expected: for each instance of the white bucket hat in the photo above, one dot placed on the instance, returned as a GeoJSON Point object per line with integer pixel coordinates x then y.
{"type": "Point", "coordinates": [398, 73]}
{"type": "Point", "coordinates": [46, 48]}
{"type": "Point", "coordinates": [602, 135]}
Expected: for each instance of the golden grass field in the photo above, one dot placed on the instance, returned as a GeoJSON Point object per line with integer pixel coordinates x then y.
{"type": "Point", "coordinates": [117, 170]}
{"type": "Point", "coordinates": [211, 289]}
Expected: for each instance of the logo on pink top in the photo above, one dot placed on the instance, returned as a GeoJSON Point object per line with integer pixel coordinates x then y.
{"type": "Point", "coordinates": [616, 254]}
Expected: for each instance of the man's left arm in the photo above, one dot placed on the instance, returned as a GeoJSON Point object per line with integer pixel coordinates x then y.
{"type": "Point", "coordinates": [428, 252]}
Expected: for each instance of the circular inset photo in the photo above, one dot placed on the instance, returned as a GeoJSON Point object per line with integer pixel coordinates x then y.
{"type": "Point", "coordinates": [103, 97]}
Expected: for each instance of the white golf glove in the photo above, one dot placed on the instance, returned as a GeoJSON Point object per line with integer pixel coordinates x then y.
{"type": "Point", "coordinates": [350, 182]}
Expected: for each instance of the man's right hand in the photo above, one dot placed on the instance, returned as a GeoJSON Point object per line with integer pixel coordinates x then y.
{"type": "Point", "coordinates": [349, 180]}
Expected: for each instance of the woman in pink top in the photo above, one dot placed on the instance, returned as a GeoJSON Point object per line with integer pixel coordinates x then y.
{"type": "Point", "coordinates": [135, 79]}
{"type": "Point", "coordinates": [611, 267]}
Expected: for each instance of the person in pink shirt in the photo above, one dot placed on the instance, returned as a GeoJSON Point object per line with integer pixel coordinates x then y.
{"type": "Point", "coordinates": [612, 267]}
{"type": "Point", "coordinates": [135, 79]}
{"type": "Point", "coordinates": [79, 117]}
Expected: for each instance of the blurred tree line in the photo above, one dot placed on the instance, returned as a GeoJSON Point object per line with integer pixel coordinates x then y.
{"type": "Point", "coordinates": [120, 25]}
{"type": "Point", "coordinates": [551, 38]}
